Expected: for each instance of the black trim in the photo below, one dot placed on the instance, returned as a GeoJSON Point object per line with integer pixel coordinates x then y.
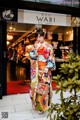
{"type": "Point", "coordinates": [75, 39]}
{"type": "Point", "coordinates": [18, 4]}
{"type": "Point", "coordinates": [3, 28]}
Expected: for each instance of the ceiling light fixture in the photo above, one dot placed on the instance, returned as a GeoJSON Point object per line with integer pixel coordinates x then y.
{"type": "Point", "coordinates": [11, 27]}
{"type": "Point", "coordinates": [9, 37]}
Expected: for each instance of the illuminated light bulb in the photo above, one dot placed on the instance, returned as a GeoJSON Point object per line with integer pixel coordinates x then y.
{"type": "Point", "coordinates": [8, 42]}
{"type": "Point", "coordinates": [14, 28]}
{"type": "Point", "coordinates": [10, 27]}
{"type": "Point", "coordinates": [9, 37]}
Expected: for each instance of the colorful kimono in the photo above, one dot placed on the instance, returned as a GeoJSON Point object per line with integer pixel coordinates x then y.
{"type": "Point", "coordinates": [42, 60]}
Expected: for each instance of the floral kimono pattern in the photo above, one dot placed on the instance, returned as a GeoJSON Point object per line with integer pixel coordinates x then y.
{"type": "Point", "coordinates": [42, 60]}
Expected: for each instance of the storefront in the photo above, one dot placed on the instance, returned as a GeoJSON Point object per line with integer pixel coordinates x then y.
{"type": "Point", "coordinates": [35, 19]}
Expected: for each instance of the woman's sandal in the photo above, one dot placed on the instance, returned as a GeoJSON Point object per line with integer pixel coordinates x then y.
{"type": "Point", "coordinates": [40, 112]}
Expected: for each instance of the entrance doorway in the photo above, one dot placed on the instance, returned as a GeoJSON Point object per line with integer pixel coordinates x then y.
{"type": "Point", "coordinates": [20, 39]}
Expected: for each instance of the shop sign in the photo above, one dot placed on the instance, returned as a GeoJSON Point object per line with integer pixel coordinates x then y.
{"type": "Point", "coordinates": [8, 14]}
{"type": "Point", "coordinates": [46, 18]}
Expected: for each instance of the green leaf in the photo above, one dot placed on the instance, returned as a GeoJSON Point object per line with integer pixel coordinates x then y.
{"type": "Point", "coordinates": [77, 89]}
{"type": "Point", "coordinates": [68, 79]}
{"type": "Point", "coordinates": [66, 113]}
{"type": "Point", "coordinates": [69, 117]}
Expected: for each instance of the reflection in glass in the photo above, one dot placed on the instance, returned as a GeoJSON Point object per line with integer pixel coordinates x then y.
{"type": "Point", "coordinates": [29, 0]}
{"type": "Point", "coordinates": [71, 3]}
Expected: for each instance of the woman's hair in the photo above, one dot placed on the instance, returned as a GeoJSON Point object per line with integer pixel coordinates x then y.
{"type": "Point", "coordinates": [41, 32]}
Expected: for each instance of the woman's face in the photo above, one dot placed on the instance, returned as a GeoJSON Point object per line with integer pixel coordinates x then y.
{"type": "Point", "coordinates": [40, 38]}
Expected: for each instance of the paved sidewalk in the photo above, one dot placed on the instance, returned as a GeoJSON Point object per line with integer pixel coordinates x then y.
{"type": "Point", "coordinates": [19, 107]}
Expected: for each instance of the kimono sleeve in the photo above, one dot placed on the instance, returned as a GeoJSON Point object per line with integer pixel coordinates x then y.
{"type": "Point", "coordinates": [51, 60]}
{"type": "Point", "coordinates": [33, 53]}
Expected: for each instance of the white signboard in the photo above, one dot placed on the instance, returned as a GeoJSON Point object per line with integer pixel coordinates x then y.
{"type": "Point", "coordinates": [44, 18]}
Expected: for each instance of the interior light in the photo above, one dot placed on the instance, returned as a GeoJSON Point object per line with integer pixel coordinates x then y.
{"type": "Point", "coordinates": [10, 28]}
{"type": "Point", "coordinates": [8, 42]}
{"type": "Point", "coordinates": [67, 32]}
{"type": "Point", "coordinates": [9, 37]}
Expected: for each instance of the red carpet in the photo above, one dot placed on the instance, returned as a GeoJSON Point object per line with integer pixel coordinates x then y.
{"type": "Point", "coordinates": [15, 87]}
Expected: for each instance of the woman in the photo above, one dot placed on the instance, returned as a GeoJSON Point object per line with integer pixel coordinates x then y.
{"type": "Point", "coordinates": [42, 60]}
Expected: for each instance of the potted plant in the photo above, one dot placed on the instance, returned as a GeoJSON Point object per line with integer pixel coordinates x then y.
{"type": "Point", "coordinates": [67, 80]}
